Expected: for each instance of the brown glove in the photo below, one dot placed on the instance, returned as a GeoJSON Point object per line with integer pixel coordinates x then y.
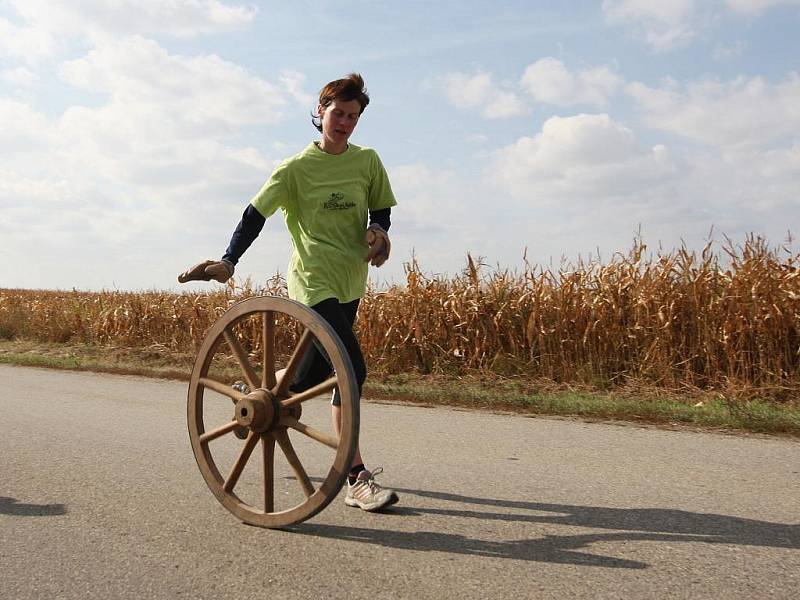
{"type": "Point", "coordinates": [379, 245]}
{"type": "Point", "coordinates": [218, 270]}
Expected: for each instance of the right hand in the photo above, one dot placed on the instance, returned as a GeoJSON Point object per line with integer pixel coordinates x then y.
{"type": "Point", "coordinates": [379, 245]}
{"type": "Point", "coordinates": [218, 270]}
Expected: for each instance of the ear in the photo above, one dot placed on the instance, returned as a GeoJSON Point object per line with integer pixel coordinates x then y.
{"type": "Point", "coordinates": [320, 110]}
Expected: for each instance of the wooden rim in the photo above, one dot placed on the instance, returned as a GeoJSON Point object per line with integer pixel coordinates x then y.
{"type": "Point", "coordinates": [275, 389]}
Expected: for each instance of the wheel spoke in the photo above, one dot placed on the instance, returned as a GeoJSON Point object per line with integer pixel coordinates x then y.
{"type": "Point", "coordinates": [241, 461]}
{"type": "Point", "coordinates": [313, 392]}
{"type": "Point", "coordinates": [268, 454]}
{"type": "Point", "coordinates": [291, 456]}
{"type": "Point", "coordinates": [314, 434]}
{"type": "Point", "coordinates": [249, 373]}
{"type": "Point", "coordinates": [221, 388]}
{"type": "Point", "coordinates": [218, 432]}
{"type": "Point", "coordinates": [294, 363]}
{"type": "Point", "coordinates": [268, 348]}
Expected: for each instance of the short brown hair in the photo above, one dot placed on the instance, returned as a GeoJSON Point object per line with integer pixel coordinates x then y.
{"type": "Point", "coordinates": [349, 88]}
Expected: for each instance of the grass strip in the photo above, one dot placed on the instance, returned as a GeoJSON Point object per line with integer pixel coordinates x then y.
{"type": "Point", "coordinates": [754, 416]}
{"type": "Point", "coordinates": [482, 393]}
{"type": "Point", "coordinates": [90, 363]}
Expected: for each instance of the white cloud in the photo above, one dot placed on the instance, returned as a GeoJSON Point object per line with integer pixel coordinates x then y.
{"type": "Point", "coordinates": [479, 91]}
{"type": "Point", "coordinates": [145, 164]}
{"type": "Point", "coordinates": [443, 215]}
{"type": "Point", "coordinates": [171, 95]}
{"type": "Point", "coordinates": [180, 18]}
{"type": "Point", "coordinates": [725, 52]}
{"type": "Point", "coordinates": [729, 115]}
{"type": "Point", "coordinates": [171, 125]}
{"type": "Point", "coordinates": [28, 44]}
{"type": "Point", "coordinates": [549, 81]}
{"type": "Point", "coordinates": [587, 181]}
{"type": "Point", "coordinates": [19, 77]}
{"type": "Point", "coordinates": [23, 129]}
{"type": "Point", "coordinates": [40, 191]}
{"type": "Point", "coordinates": [663, 25]}
{"type": "Point", "coordinates": [580, 159]}
{"type": "Point", "coordinates": [467, 90]}
{"type": "Point", "coordinates": [427, 194]}
{"type": "Point", "coordinates": [293, 82]}
{"type": "Point", "coordinates": [781, 164]}
{"type": "Point", "coordinates": [756, 7]}
{"type": "Point", "coordinates": [147, 167]}
{"type": "Point", "coordinates": [674, 23]}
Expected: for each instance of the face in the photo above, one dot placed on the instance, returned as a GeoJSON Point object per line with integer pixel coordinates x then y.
{"type": "Point", "coordinates": [339, 119]}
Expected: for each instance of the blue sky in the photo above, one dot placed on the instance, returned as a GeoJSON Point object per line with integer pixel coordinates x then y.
{"type": "Point", "coordinates": [134, 133]}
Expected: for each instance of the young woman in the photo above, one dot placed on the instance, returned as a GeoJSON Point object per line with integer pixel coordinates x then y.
{"type": "Point", "coordinates": [327, 193]}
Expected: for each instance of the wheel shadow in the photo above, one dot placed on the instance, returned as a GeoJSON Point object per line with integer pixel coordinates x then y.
{"type": "Point", "coordinates": [623, 525]}
{"type": "Point", "coordinates": [10, 506]}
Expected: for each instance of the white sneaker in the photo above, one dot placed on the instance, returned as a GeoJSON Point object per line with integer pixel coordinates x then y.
{"type": "Point", "coordinates": [367, 494]}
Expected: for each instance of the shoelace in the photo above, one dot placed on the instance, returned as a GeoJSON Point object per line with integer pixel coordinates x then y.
{"type": "Point", "coordinates": [373, 485]}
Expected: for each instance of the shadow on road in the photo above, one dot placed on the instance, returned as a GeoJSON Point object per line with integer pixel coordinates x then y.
{"type": "Point", "coordinates": [702, 527]}
{"type": "Point", "coordinates": [628, 524]}
{"type": "Point", "coordinates": [10, 506]}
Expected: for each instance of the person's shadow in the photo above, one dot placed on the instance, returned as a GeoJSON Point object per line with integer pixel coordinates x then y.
{"type": "Point", "coordinates": [10, 506]}
{"type": "Point", "coordinates": [624, 524]}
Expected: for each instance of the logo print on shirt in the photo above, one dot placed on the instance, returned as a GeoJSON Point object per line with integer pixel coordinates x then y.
{"type": "Point", "coordinates": [335, 202]}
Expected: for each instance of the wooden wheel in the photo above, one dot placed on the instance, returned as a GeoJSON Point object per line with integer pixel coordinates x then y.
{"type": "Point", "coordinates": [276, 333]}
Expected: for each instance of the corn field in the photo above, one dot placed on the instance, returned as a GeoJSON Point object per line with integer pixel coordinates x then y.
{"type": "Point", "coordinates": [707, 320]}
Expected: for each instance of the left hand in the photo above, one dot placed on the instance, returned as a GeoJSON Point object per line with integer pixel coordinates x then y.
{"type": "Point", "coordinates": [219, 270]}
{"type": "Point", "coordinates": [379, 245]}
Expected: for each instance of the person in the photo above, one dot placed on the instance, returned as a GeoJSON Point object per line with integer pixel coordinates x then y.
{"type": "Point", "coordinates": [327, 193]}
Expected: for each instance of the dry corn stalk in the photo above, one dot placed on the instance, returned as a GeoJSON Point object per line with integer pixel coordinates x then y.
{"type": "Point", "coordinates": [674, 319]}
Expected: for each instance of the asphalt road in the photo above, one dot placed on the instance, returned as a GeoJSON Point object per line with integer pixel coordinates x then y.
{"type": "Point", "coordinates": [100, 497]}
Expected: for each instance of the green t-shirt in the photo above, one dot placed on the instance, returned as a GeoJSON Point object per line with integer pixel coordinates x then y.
{"type": "Point", "coordinates": [326, 199]}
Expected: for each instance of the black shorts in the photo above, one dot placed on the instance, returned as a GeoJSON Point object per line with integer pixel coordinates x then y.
{"type": "Point", "coordinates": [315, 367]}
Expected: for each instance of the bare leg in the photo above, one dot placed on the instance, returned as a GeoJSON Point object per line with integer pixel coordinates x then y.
{"type": "Point", "coordinates": [336, 414]}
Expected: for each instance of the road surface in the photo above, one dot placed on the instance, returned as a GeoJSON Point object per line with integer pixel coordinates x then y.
{"type": "Point", "coordinates": [100, 497]}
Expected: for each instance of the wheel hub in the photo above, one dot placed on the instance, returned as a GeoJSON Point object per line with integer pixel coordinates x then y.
{"type": "Point", "coordinates": [258, 411]}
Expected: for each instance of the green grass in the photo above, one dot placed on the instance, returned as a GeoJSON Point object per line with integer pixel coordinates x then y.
{"type": "Point", "coordinates": [707, 411]}
{"type": "Point", "coordinates": [93, 358]}
{"type": "Point", "coordinates": [33, 360]}
{"type": "Point", "coordinates": [490, 393]}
